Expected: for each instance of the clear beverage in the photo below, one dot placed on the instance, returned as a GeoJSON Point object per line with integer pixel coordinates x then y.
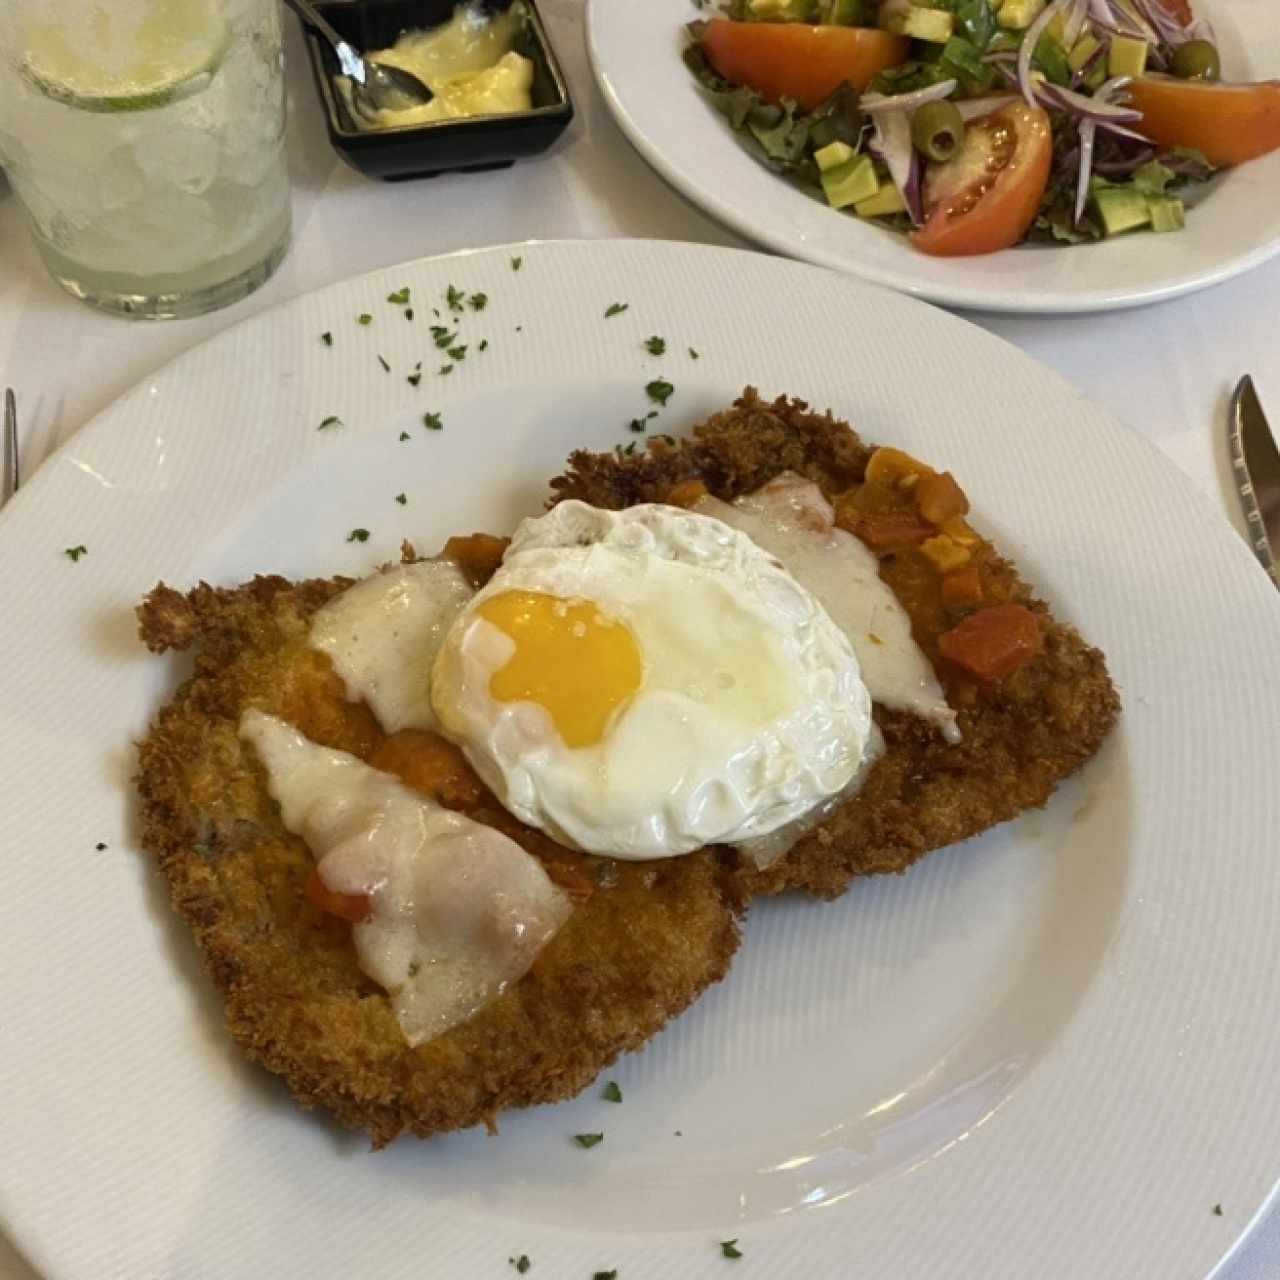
{"type": "Point", "coordinates": [145, 139]}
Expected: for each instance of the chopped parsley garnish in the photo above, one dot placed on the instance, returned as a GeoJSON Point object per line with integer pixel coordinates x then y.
{"type": "Point", "coordinates": [679, 1133]}
{"type": "Point", "coordinates": [454, 298]}
{"type": "Point", "coordinates": [386, 368]}
{"type": "Point", "coordinates": [101, 847]}
{"type": "Point", "coordinates": [414, 378]}
{"type": "Point", "coordinates": [588, 1139]}
{"type": "Point", "coordinates": [484, 345]}
{"type": "Point", "coordinates": [433, 422]}
{"type": "Point", "coordinates": [446, 370]}
{"type": "Point", "coordinates": [636, 424]}
{"type": "Point", "coordinates": [611, 1092]}
{"type": "Point", "coordinates": [400, 297]}
{"type": "Point", "coordinates": [659, 391]}
{"type": "Point", "coordinates": [606, 1275]}
{"type": "Point", "coordinates": [521, 1264]}
{"type": "Point", "coordinates": [408, 313]}
{"type": "Point", "coordinates": [404, 435]}
{"type": "Point", "coordinates": [729, 1248]}
{"type": "Point", "coordinates": [458, 353]}
{"type": "Point", "coordinates": [442, 337]}
{"type": "Point", "coordinates": [364, 318]}
{"type": "Point", "coordinates": [655, 346]}
{"type": "Point", "coordinates": [1217, 1208]}
{"type": "Point", "coordinates": [74, 553]}
{"type": "Point", "coordinates": [519, 328]}
{"type": "Point", "coordinates": [516, 264]}
{"type": "Point", "coordinates": [330, 421]}
{"type": "Point", "coordinates": [615, 309]}
{"type": "Point", "coordinates": [401, 499]}
{"type": "Point", "coordinates": [629, 450]}
{"type": "Point", "coordinates": [327, 338]}
{"type": "Point", "coordinates": [693, 355]}
{"type": "Point", "coordinates": [358, 535]}
{"type": "Point", "coordinates": [479, 301]}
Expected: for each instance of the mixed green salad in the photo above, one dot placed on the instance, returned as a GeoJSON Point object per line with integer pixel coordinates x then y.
{"type": "Point", "coordinates": [974, 125]}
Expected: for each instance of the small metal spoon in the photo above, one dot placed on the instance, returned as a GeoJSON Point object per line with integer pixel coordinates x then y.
{"type": "Point", "coordinates": [374, 85]}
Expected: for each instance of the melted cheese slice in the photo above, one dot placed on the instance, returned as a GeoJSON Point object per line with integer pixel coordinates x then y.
{"type": "Point", "coordinates": [383, 635]}
{"type": "Point", "coordinates": [790, 519]}
{"type": "Point", "coordinates": [459, 911]}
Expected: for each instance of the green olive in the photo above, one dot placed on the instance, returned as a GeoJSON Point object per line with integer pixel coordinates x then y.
{"type": "Point", "coordinates": [937, 130]}
{"type": "Point", "coordinates": [1196, 60]}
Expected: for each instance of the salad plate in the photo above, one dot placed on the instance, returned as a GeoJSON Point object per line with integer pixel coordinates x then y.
{"type": "Point", "coordinates": [1036, 1054]}
{"type": "Point", "coordinates": [636, 54]}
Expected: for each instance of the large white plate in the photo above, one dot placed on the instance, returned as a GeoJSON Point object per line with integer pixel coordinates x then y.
{"type": "Point", "coordinates": [1046, 1053]}
{"type": "Point", "coordinates": [635, 52]}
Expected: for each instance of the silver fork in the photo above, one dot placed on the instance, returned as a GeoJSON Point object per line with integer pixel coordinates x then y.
{"type": "Point", "coordinates": [10, 479]}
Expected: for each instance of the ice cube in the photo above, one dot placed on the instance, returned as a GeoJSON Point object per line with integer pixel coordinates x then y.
{"type": "Point", "coordinates": [121, 181]}
{"type": "Point", "coordinates": [184, 158]}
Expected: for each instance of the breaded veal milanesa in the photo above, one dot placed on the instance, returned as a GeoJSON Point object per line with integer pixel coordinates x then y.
{"type": "Point", "coordinates": [645, 938]}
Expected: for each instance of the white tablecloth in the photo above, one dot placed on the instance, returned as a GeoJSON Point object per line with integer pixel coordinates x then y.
{"type": "Point", "coordinates": [1167, 370]}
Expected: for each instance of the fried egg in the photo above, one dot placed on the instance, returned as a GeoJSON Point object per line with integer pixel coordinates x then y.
{"type": "Point", "coordinates": [644, 682]}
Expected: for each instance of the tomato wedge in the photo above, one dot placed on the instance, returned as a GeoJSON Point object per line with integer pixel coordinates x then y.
{"type": "Point", "coordinates": [795, 60]}
{"type": "Point", "coordinates": [1229, 123]}
{"type": "Point", "coordinates": [986, 197]}
{"type": "Point", "coordinates": [352, 907]}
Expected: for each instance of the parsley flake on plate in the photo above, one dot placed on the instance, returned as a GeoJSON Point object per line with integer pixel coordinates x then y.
{"type": "Point", "coordinates": [611, 1092]}
{"type": "Point", "coordinates": [458, 353]}
{"type": "Point", "coordinates": [606, 1275]}
{"type": "Point", "coordinates": [414, 378]}
{"type": "Point", "coordinates": [74, 553]}
{"type": "Point", "coordinates": [358, 535]}
{"type": "Point", "coordinates": [655, 346]}
{"type": "Point", "coordinates": [659, 391]}
{"type": "Point", "coordinates": [400, 297]}
{"type": "Point", "coordinates": [615, 309]}
{"type": "Point", "coordinates": [433, 422]}
{"type": "Point", "coordinates": [445, 370]}
{"type": "Point", "coordinates": [693, 355]}
{"type": "Point", "coordinates": [729, 1248]}
{"type": "Point", "coordinates": [408, 313]}
{"type": "Point", "coordinates": [330, 421]}
{"type": "Point", "coordinates": [454, 298]}
{"type": "Point", "coordinates": [479, 301]}
{"type": "Point", "coordinates": [588, 1139]}
{"type": "Point", "coordinates": [404, 435]}
{"type": "Point", "coordinates": [364, 318]}
{"type": "Point", "coordinates": [1217, 1211]}
{"type": "Point", "coordinates": [516, 264]}
{"type": "Point", "coordinates": [636, 424]}
{"type": "Point", "coordinates": [386, 368]}
{"type": "Point", "coordinates": [327, 338]}
{"type": "Point", "coordinates": [101, 847]}
{"type": "Point", "coordinates": [401, 499]}
{"type": "Point", "coordinates": [442, 337]}
{"type": "Point", "coordinates": [521, 1264]}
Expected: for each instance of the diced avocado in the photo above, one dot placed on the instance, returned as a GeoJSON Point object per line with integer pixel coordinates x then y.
{"type": "Point", "coordinates": [833, 155]}
{"type": "Point", "coordinates": [1018, 15]}
{"type": "Point", "coordinates": [850, 182]}
{"type": "Point", "coordinates": [1168, 213]}
{"type": "Point", "coordinates": [1121, 209]}
{"type": "Point", "coordinates": [885, 201]}
{"type": "Point", "coordinates": [1082, 51]}
{"type": "Point", "coordinates": [932, 25]}
{"type": "Point", "coordinates": [1004, 42]}
{"type": "Point", "coordinates": [1057, 27]}
{"type": "Point", "coordinates": [846, 13]}
{"type": "Point", "coordinates": [781, 10]}
{"type": "Point", "coordinates": [1127, 56]}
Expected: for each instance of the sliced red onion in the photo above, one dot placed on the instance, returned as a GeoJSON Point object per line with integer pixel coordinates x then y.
{"type": "Point", "coordinates": [1028, 47]}
{"type": "Point", "coordinates": [1089, 108]}
{"type": "Point", "coordinates": [1001, 55]}
{"type": "Point", "coordinates": [1166, 27]}
{"type": "Point", "coordinates": [880, 102]}
{"type": "Point", "coordinates": [1108, 89]}
{"type": "Point", "coordinates": [913, 192]}
{"type": "Point", "coordinates": [1079, 77]}
{"type": "Point", "coordinates": [1088, 129]}
{"type": "Point", "coordinates": [972, 108]}
{"type": "Point", "coordinates": [893, 143]}
{"type": "Point", "coordinates": [1122, 131]}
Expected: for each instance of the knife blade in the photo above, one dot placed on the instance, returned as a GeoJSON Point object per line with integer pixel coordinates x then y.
{"type": "Point", "coordinates": [1256, 463]}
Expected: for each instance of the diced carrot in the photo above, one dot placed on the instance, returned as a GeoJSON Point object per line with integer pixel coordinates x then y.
{"type": "Point", "coordinates": [687, 492]}
{"type": "Point", "coordinates": [888, 467]}
{"type": "Point", "coordinates": [478, 556]}
{"type": "Point", "coordinates": [962, 587]}
{"type": "Point", "coordinates": [426, 762]}
{"type": "Point", "coordinates": [993, 643]}
{"type": "Point", "coordinates": [884, 531]}
{"type": "Point", "coordinates": [352, 907]}
{"type": "Point", "coordinates": [939, 498]}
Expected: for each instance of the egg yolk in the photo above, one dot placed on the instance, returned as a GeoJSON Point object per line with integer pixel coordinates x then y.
{"type": "Point", "coordinates": [577, 663]}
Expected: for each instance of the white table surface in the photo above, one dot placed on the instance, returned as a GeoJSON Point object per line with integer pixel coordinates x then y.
{"type": "Point", "coordinates": [1166, 370]}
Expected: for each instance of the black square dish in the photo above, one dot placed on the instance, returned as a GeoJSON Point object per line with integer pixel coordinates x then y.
{"type": "Point", "coordinates": [422, 150]}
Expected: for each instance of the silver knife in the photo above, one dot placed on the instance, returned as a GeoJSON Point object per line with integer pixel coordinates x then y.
{"type": "Point", "coordinates": [1256, 462]}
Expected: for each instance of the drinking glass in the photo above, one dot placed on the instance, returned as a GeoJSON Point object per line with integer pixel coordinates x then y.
{"type": "Point", "coordinates": [145, 140]}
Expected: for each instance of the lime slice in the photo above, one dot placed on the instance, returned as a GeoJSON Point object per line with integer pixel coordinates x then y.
{"type": "Point", "coordinates": [127, 59]}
